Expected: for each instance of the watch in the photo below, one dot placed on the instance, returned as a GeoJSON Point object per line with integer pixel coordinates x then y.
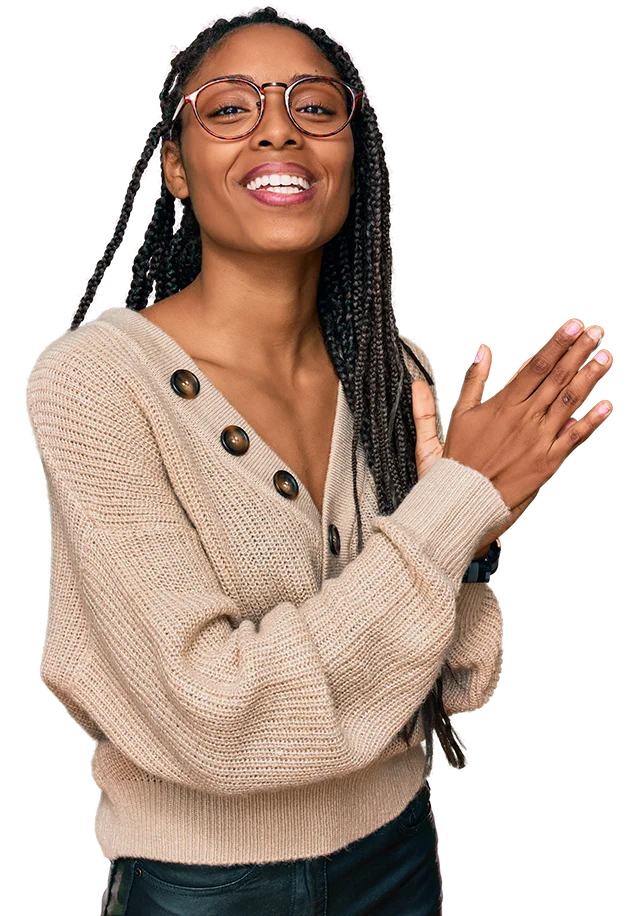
{"type": "Point", "coordinates": [481, 570]}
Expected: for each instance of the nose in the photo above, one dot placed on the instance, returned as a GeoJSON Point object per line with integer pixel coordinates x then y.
{"type": "Point", "coordinates": [275, 124]}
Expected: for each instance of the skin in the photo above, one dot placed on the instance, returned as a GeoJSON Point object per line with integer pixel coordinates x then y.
{"type": "Point", "coordinates": [256, 292]}
{"type": "Point", "coordinates": [429, 448]}
{"type": "Point", "coordinates": [249, 319]}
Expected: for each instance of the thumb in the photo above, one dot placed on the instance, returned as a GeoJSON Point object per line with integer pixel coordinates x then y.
{"type": "Point", "coordinates": [428, 445]}
{"type": "Point", "coordinates": [475, 379]}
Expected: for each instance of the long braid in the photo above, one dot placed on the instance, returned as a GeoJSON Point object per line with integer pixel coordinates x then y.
{"type": "Point", "coordinates": [154, 249]}
{"type": "Point", "coordinates": [121, 225]}
{"type": "Point", "coordinates": [165, 213]}
{"type": "Point", "coordinates": [168, 283]}
{"type": "Point", "coordinates": [189, 255]}
{"type": "Point", "coordinates": [354, 300]}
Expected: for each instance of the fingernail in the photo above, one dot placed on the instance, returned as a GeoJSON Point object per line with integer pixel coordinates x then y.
{"type": "Point", "coordinates": [479, 355]}
{"type": "Point", "coordinates": [573, 326]}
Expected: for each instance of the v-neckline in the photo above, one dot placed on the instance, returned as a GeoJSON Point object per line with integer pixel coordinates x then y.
{"type": "Point", "coordinates": [208, 386]}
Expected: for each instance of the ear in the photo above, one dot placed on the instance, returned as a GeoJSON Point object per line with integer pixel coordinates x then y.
{"type": "Point", "coordinates": [173, 170]}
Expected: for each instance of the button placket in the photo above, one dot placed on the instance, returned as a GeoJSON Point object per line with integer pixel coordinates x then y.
{"type": "Point", "coordinates": [234, 438]}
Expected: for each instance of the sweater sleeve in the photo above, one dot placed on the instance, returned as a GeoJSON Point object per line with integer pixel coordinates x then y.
{"type": "Point", "coordinates": [476, 650]}
{"type": "Point", "coordinates": [144, 647]}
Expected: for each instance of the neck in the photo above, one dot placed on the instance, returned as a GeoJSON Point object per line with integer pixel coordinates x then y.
{"type": "Point", "coordinates": [257, 308]}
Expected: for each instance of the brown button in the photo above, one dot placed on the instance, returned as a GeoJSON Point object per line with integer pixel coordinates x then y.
{"type": "Point", "coordinates": [334, 539]}
{"type": "Point", "coordinates": [185, 383]}
{"type": "Point", "coordinates": [286, 484]}
{"type": "Point", "coordinates": [235, 440]}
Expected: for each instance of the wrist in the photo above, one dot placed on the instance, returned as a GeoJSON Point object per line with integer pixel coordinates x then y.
{"type": "Point", "coordinates": [481, 553]}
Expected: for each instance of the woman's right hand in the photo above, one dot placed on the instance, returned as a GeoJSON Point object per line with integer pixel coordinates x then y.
{"type": "Point", "coordinates": [512, 437]}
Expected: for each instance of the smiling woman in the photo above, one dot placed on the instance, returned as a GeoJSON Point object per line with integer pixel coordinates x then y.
{"type": "Point", "coordinates": [257, 607]}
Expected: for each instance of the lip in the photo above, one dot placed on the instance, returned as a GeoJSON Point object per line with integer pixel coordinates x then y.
{"type": "Point", "coordinates": [282, 168]}
{"type": "Point", "coordinates": [278, 199]}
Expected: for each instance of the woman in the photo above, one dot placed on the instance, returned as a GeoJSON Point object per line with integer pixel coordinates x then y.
{"type": "Point", "coordinates": [247, 615]}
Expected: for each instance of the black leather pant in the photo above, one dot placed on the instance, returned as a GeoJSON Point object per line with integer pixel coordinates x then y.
{"type": "Point", "coordinates": [393, 871]}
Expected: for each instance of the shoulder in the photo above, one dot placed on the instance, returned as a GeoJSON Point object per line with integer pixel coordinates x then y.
{"type": "Point", "coordinates": [82, 375]}
{"type": "Point", "coordinates": [94, 357]}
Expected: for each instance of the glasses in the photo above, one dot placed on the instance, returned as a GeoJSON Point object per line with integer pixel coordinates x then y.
{"type": "Point", "coordinates": [231, 108]}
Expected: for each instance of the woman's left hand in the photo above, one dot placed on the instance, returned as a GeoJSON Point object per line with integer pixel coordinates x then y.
{"type": "Point", "coordinates": [429, 449]}
{"type": "Point", "coordinates": [517, 511]}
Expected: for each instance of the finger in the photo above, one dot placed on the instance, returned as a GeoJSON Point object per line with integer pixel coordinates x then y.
{"type": "Point", "coordinates": [474, 382]}
{"type": "Point", "coordinates": [423, 404]}
{"type": "Point", "coordinates": [428, 445]}
{"type": "Point", "coordinates": [576, 392]}
{"type": "Point", "coordinates": [424, 412]}
{"type": "Point", "coordinates": [519, 369]}
{"type": "Point", "coordinates": [577, 433]}
{"type": "Point", "coordinates": [538, 368]}
{"type": "Point", "coordinates": [556, 385]}
{"type": "Point", "coordinates": [566, 426]}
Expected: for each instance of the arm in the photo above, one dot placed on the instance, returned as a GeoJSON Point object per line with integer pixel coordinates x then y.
{"type": "Point", "coordinates": [475, 654]}
{"type": "Point", "coordinates": [144, 645]}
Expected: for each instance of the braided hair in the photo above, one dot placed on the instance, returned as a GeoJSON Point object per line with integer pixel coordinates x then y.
{"type": "Point", "coordinates": [354, 300]}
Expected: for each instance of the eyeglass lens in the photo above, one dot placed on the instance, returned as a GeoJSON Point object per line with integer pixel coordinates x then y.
{"type": "Point", "coordinates": [231, 108]}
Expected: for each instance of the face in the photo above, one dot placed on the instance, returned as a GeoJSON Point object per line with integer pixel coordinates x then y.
{"type": "Point", "coordinates": [212, 171]}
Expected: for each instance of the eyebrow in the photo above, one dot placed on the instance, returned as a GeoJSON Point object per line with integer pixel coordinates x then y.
{"type": "Point", "coordinates": [245, 76]}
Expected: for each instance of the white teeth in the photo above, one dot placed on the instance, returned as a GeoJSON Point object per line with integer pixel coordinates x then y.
{"type": "Point", "coordinates": [277, 181]}
{"type": "Point", "coordinates": [286, 190]}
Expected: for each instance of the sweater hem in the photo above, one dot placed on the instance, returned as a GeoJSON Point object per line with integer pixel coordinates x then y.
{"type": "Point", "coordinates": [166, 821]}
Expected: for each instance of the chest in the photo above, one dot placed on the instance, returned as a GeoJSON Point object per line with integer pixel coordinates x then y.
{"type": "Point", "coordinates": [296, 425]}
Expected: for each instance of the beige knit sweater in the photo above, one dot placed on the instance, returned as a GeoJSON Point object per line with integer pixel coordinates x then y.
{"type": "Point", "coordinates": [244, 685]}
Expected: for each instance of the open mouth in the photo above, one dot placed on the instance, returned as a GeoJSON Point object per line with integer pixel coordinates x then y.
{"type": "Point", "coordinates": [280, 189]}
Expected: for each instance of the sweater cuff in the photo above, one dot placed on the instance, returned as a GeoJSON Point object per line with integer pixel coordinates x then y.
{"type": "Point", "coordinates": [449, 511]}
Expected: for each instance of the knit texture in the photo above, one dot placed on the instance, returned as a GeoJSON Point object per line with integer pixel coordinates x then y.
{"type": "Point", "coordinates": [245, 686]}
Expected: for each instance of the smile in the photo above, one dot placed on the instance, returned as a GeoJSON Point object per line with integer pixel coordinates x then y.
{"type": "Point", "coordinates": [278, 194]}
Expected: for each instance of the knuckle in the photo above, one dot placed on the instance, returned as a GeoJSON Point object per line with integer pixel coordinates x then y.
{"type": "Point", "coordinates": [569, 398]}
{"type": "Point", "coordinates": [562, 338]}
{"type": "Point", "coordinates": [560, 375]}
{"type": "Point", "coordinates": [574, 434]}
{"type": "Point", "coordinates": [539, 460]}
{"type": "Point", "coordinates": [540, 364]}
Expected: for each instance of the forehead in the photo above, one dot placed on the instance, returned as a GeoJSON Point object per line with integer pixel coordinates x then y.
{"type": "Point", "coordinates": [264, 52]}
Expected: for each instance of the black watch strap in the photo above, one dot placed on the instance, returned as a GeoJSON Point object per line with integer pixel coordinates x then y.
{"type": "Point", "coordinates": [481, 570]}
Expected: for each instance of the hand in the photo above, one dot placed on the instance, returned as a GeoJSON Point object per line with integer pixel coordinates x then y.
{"type": "Point", "coordinates": [429, 448]}
{"type": "Point", "coordinates": [517, 511]}
{"type": "Point", "coordinates": [520, 437]}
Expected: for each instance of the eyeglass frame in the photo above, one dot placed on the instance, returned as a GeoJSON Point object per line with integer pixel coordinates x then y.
{"type": "Point", "coordinates": [191, 98]}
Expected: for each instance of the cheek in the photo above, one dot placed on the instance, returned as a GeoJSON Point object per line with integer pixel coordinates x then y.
{"type": "Point", "coordinates": [212, 191]}
{"type": "Point", "coordinates": [207, 167]}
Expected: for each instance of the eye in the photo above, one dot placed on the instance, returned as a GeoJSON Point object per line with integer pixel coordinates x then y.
{"type": "Point", "coordinates": [224, 110]}
{"type": "Point", "coordinates": [321, 108]}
